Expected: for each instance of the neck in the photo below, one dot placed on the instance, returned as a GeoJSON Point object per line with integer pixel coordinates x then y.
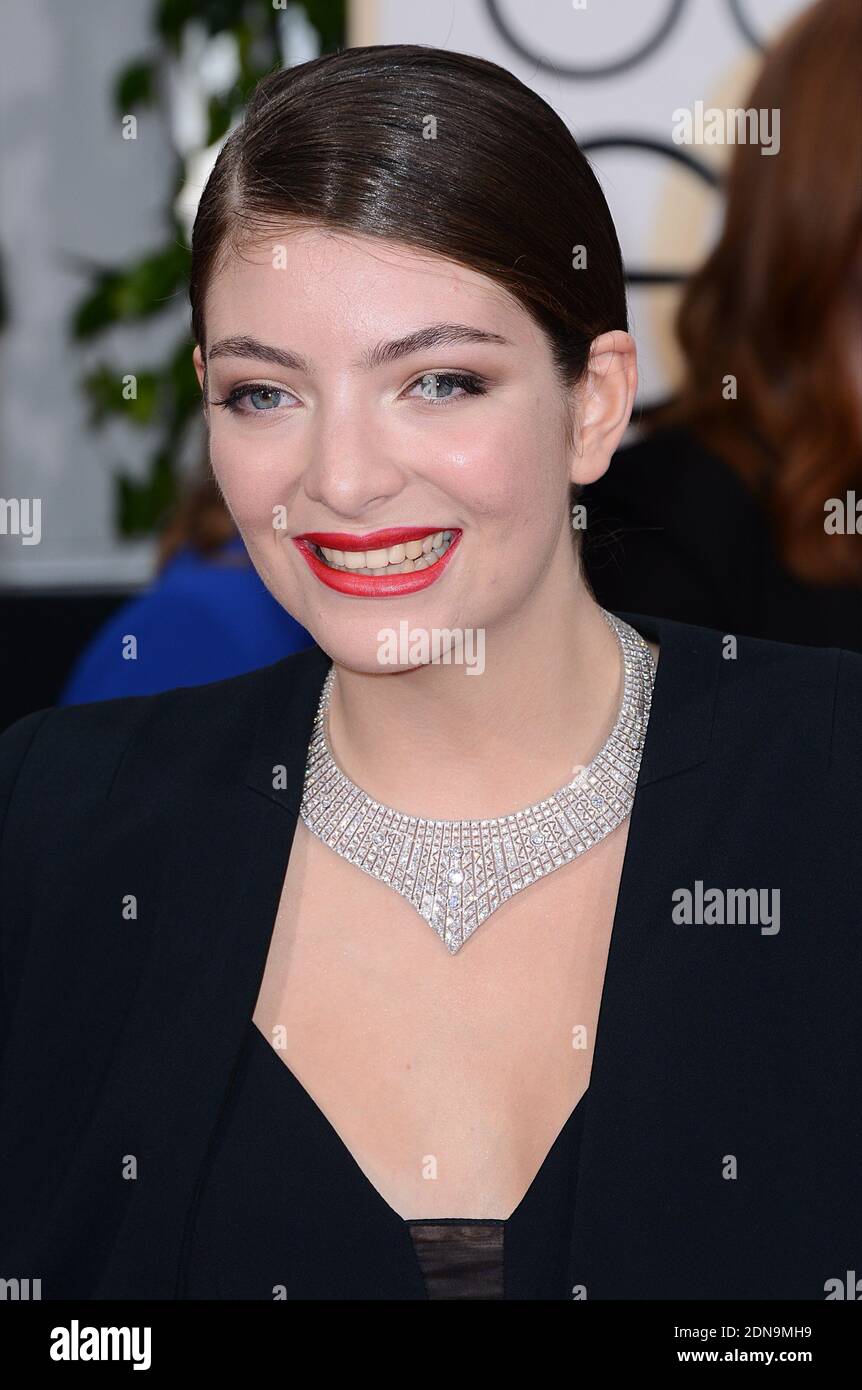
{"type": "Point", "coordinates": [436, 742]}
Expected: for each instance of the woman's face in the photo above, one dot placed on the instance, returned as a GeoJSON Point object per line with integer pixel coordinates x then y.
{"type": "Point", "coordinates": [447, 434]}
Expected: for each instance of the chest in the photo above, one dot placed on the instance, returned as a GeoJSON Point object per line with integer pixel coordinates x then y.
{"type": "Point", "coordinates": [447, 1077]}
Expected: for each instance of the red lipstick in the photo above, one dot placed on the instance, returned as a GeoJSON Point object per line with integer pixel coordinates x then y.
{"type": "Point", "coordinates": [372, 540]}
{"type": "Point", "coordinates": [373, 585]}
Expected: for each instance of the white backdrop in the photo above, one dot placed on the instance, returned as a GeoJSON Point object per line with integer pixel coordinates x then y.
{"type": "Point", "coordinates": [615, 71]}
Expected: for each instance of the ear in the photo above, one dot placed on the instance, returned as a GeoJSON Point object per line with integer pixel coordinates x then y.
{"type": "Point", "coordinates": [201, 373]}
{"type": "Point", "coordinates": [604, 404]}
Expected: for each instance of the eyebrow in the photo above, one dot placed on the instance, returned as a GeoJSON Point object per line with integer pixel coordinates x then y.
{"type": "Point", "coordinates": [435, 335]}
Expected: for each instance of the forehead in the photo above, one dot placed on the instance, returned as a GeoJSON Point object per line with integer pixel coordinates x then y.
{"type": "Point", "coordinates": [330, 281]}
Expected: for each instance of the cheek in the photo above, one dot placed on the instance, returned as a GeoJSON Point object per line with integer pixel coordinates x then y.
{"type": "Point", "coordinates": [508, 478]}
{"type": "Point", "coordinates": [251, 475]}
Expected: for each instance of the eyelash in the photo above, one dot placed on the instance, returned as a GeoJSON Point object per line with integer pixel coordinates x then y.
{"type": "Point", "coordinates": [468, 381]}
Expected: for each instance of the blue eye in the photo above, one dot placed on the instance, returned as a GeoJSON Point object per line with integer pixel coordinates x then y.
{"type": "Point", "coordinates": [430, 382]}
{"type": "Point", "coordinates": [239, 393]}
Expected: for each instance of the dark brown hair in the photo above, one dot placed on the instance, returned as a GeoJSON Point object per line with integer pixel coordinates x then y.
{"type": "Point", "coordinates": [777, 303]}
{"type": "Point", "coordinates": [444, 152]}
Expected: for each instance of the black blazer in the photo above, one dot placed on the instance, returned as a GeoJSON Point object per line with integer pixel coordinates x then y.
{"type": "Point", "coordinates": [718, 1046]}
{"type": "Point", "coordinates": [672, 529]}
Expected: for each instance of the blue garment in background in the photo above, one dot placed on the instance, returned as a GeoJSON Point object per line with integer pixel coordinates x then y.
{"type": "Point", "coordinates": [204, 618]}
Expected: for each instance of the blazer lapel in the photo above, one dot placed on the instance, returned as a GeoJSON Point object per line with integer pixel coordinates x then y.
{"type": "Point", "coordinates": [211, 866]}
{"type": "Point", "coordinates": [219, 861]}
{"type": "Point", "coordinates": [626, 1132]}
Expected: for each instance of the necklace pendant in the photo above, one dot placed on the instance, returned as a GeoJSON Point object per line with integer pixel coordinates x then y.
{"type": "Point", "coordinates": [456, 874]}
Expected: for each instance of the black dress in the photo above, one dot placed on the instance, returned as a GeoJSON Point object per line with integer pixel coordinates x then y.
{"type": "Point", "coordinates": [283, 1210]}
{"type": "Point", "coordinates": [673, 530]}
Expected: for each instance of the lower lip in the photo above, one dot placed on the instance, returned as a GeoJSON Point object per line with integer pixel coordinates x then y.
{"type": "Point", "coordinates": [374, 585]}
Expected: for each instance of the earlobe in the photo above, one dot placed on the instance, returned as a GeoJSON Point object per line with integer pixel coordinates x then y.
{"type": "Point", "coordinates": [607, 396]}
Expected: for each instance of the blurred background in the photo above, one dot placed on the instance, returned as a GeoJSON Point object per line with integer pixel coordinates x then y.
{"type": "Point", "coordinates": [737, 499]}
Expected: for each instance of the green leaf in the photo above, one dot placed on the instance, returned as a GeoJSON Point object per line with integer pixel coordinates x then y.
{"type": "Point", "coordinates": [142, 507]}
{"type": "Point", "coordinates": [107, 394]}
{"type": "Point", "coordinates": [219, 114]}
{"type": "Point", "coordinates": [138, 292]}
{"type": "Point", "coordinates": [330, 21]}
{"type": "Point", "coordinates": [135, 86]}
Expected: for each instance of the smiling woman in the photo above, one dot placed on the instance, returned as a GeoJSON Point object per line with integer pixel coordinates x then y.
{"type": "Point", "coordinates": [375, 971]}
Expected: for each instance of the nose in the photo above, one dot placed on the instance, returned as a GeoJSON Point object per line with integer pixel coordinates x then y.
{"type": "Point", "coordinates": [352, 469]}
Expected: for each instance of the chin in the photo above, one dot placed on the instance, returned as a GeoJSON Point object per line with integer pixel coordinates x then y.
{"type": "Point", "coordinates": [358, 647]}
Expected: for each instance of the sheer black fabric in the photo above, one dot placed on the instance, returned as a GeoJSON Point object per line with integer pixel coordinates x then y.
{"type": "Point", "coordinates": [284, 1211]}
{"type": "Point", "coordinates": [461, 1259]}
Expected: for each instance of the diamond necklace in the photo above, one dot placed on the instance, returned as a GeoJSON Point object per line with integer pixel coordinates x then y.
{"type": "Point", "coordinates": [457, 873]}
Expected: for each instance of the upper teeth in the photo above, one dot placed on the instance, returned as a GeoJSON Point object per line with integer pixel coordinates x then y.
{"type": "Point", "coordinates": [402, 558]}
